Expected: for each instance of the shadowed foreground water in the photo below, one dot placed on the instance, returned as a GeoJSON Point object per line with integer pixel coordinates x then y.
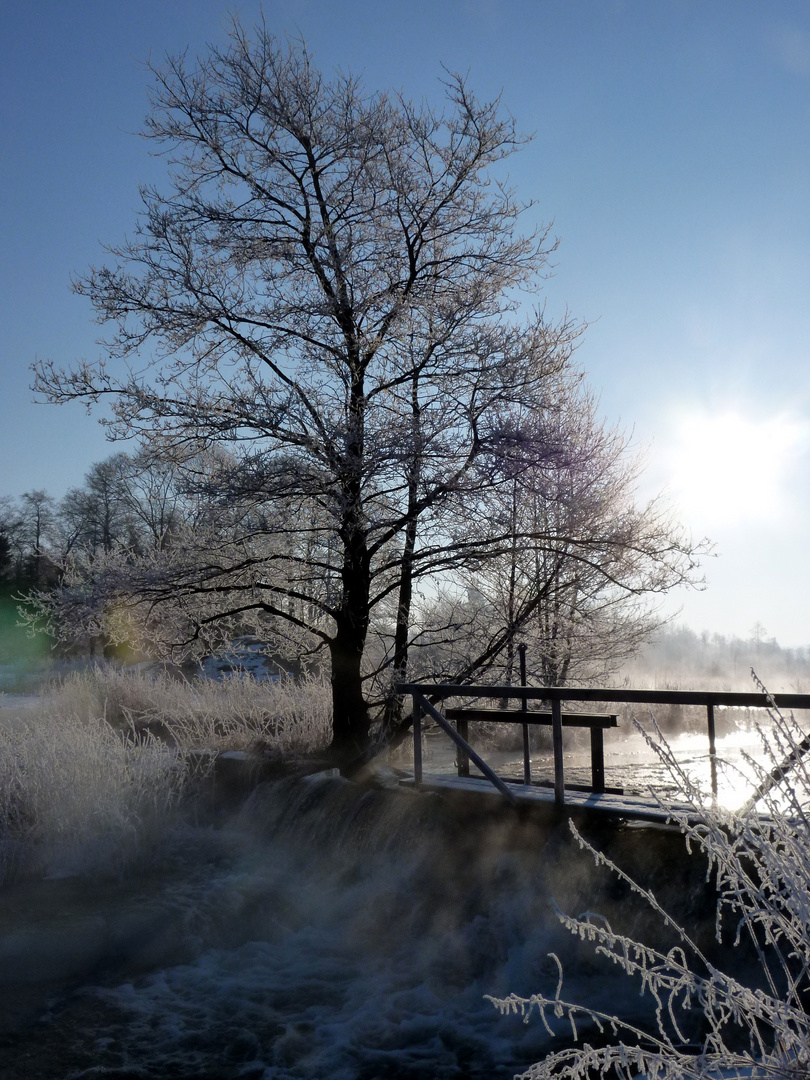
{"type": "Point", "coordinates": [322, 931]}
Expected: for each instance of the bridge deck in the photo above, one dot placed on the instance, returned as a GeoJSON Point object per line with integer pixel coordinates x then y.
{"type": "Point", "coordinates": [629, 807]}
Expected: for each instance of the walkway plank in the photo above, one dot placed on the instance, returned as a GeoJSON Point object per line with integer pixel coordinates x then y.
{"type": "Point", "coordinates": [630, 807]}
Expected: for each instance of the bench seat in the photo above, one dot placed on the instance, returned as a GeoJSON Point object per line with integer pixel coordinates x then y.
{"type": "Point", "coordinates": [596, 722]}
{"type": "Point", "coordinates": [517, 716]}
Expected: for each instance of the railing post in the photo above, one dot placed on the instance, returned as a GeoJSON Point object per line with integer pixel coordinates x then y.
{"type": "Point", "coordinates": [556, 739]}
{"type": "Point", "coordinates": [524, 705]}
{"type": "Point", "coordinates": [462, 727]}
{"type": "Point", "coordinates": [448, 729]}
{"type": "Point", "coordinates": [417, 740]}
{"type": "Point", "coordinates": [597, 761]}
{"type": "Point", "coordinates": [712, 747]}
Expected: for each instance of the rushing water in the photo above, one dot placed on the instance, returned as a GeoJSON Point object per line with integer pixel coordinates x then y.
{"type": "Point", "coordinates": [320, 931]}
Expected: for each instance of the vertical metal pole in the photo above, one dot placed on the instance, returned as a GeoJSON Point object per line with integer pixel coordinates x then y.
{"type": "Point", "coordinates": [463, 757]}
{"type": "Point", "coordinates": [556, 738]}
{"type": "Point", "coordinates": [712, 748]}
{"type": "Point", "coordinates": [417, 741]}
{"type": "Point", "coordinates": [597, 761]}
{"type": "Point", "coordinates": [524, 705]}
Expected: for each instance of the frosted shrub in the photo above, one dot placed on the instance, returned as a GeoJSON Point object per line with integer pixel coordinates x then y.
{"type": "Point", "coordinates": [707, 1022]}
{"type": "Point", "coordinates": [77, 797]}
{"type": "Point", "coordinates": [238, 713]}
{"type": "Point", "coordinates": [89, 778]}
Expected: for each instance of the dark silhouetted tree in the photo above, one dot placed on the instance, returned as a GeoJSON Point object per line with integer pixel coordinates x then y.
{"type": "Point", "coordinates": [328, 290]}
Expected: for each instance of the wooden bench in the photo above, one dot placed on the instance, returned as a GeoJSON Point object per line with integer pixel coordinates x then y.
{"type": "Point", "coordinates": [596, 722]}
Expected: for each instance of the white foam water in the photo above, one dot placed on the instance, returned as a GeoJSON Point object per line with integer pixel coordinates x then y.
{"type": "Point", "coordinates": [325, 931]}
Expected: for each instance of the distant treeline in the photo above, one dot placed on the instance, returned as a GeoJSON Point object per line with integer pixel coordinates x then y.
{"type": "Point", "coordinates": [681, 657]}
{"type": "Point", "coordinates": [122, 505]}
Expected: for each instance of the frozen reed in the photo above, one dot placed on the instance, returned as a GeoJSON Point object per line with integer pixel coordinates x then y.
{"type": "Point", "coordinates": [711, 1019]}
{"type": "Point", "coordinates": [92, 775]}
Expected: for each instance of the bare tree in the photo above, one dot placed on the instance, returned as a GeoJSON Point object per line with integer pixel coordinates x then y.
{"type": "Point", "coordinates": [10, 529]}
{"type": "Point", "coordinates": [599, 559]}
{"type": "Point", "coordinates": [31, 532]}
{"type": "Point", "coordinates": [6, 548]}
{"type": "Point", "coordinates": [97, 516]}
{"type": "Point", "coordinates": [329, 287]}
{"type": "Point", "coordinates": [152, 493]}
{"type": "Point", "coordinates": [579, 564]}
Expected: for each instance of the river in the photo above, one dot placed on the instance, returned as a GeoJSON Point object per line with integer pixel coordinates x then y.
{"type": "Point", "coordinates": [322, 930]}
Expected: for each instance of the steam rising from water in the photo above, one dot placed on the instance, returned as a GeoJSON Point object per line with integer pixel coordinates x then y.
{"type": "Point", "coordinates": [325, 931]}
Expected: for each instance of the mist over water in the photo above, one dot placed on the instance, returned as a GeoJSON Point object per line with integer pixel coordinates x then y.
{"type": "Point", "coordinates": [322, 930]}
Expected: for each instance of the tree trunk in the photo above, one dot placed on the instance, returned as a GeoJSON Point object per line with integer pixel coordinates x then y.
{"type": "Point", "coordinates": [511, 598]}
{"type": "Point", "coordinates": [350, 716]}
{"type": "Point", "coordinates": [351, 722]}
{"type": "Point", "coordinates": [392, 717]}
{"type": "Point", "coordinates": [393, 706]}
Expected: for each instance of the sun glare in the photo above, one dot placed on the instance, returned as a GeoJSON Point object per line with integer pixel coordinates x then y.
{"type": "Point", "coordinates": [727, 468]}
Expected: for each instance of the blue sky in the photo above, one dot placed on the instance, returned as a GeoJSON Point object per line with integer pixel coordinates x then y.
{"type": "Point", "coordinates": [671, 151]}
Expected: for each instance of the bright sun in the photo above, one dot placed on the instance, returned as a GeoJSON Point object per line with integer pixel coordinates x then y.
{"type": "Point", "coordinates": [726, 468]}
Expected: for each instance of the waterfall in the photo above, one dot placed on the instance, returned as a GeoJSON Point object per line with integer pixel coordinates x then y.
{"type": "Point", "coordinates": [320, 929]}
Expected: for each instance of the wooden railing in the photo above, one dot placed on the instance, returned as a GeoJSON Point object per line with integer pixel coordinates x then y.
{"type": "Point", "coordinates": [426, 696]}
